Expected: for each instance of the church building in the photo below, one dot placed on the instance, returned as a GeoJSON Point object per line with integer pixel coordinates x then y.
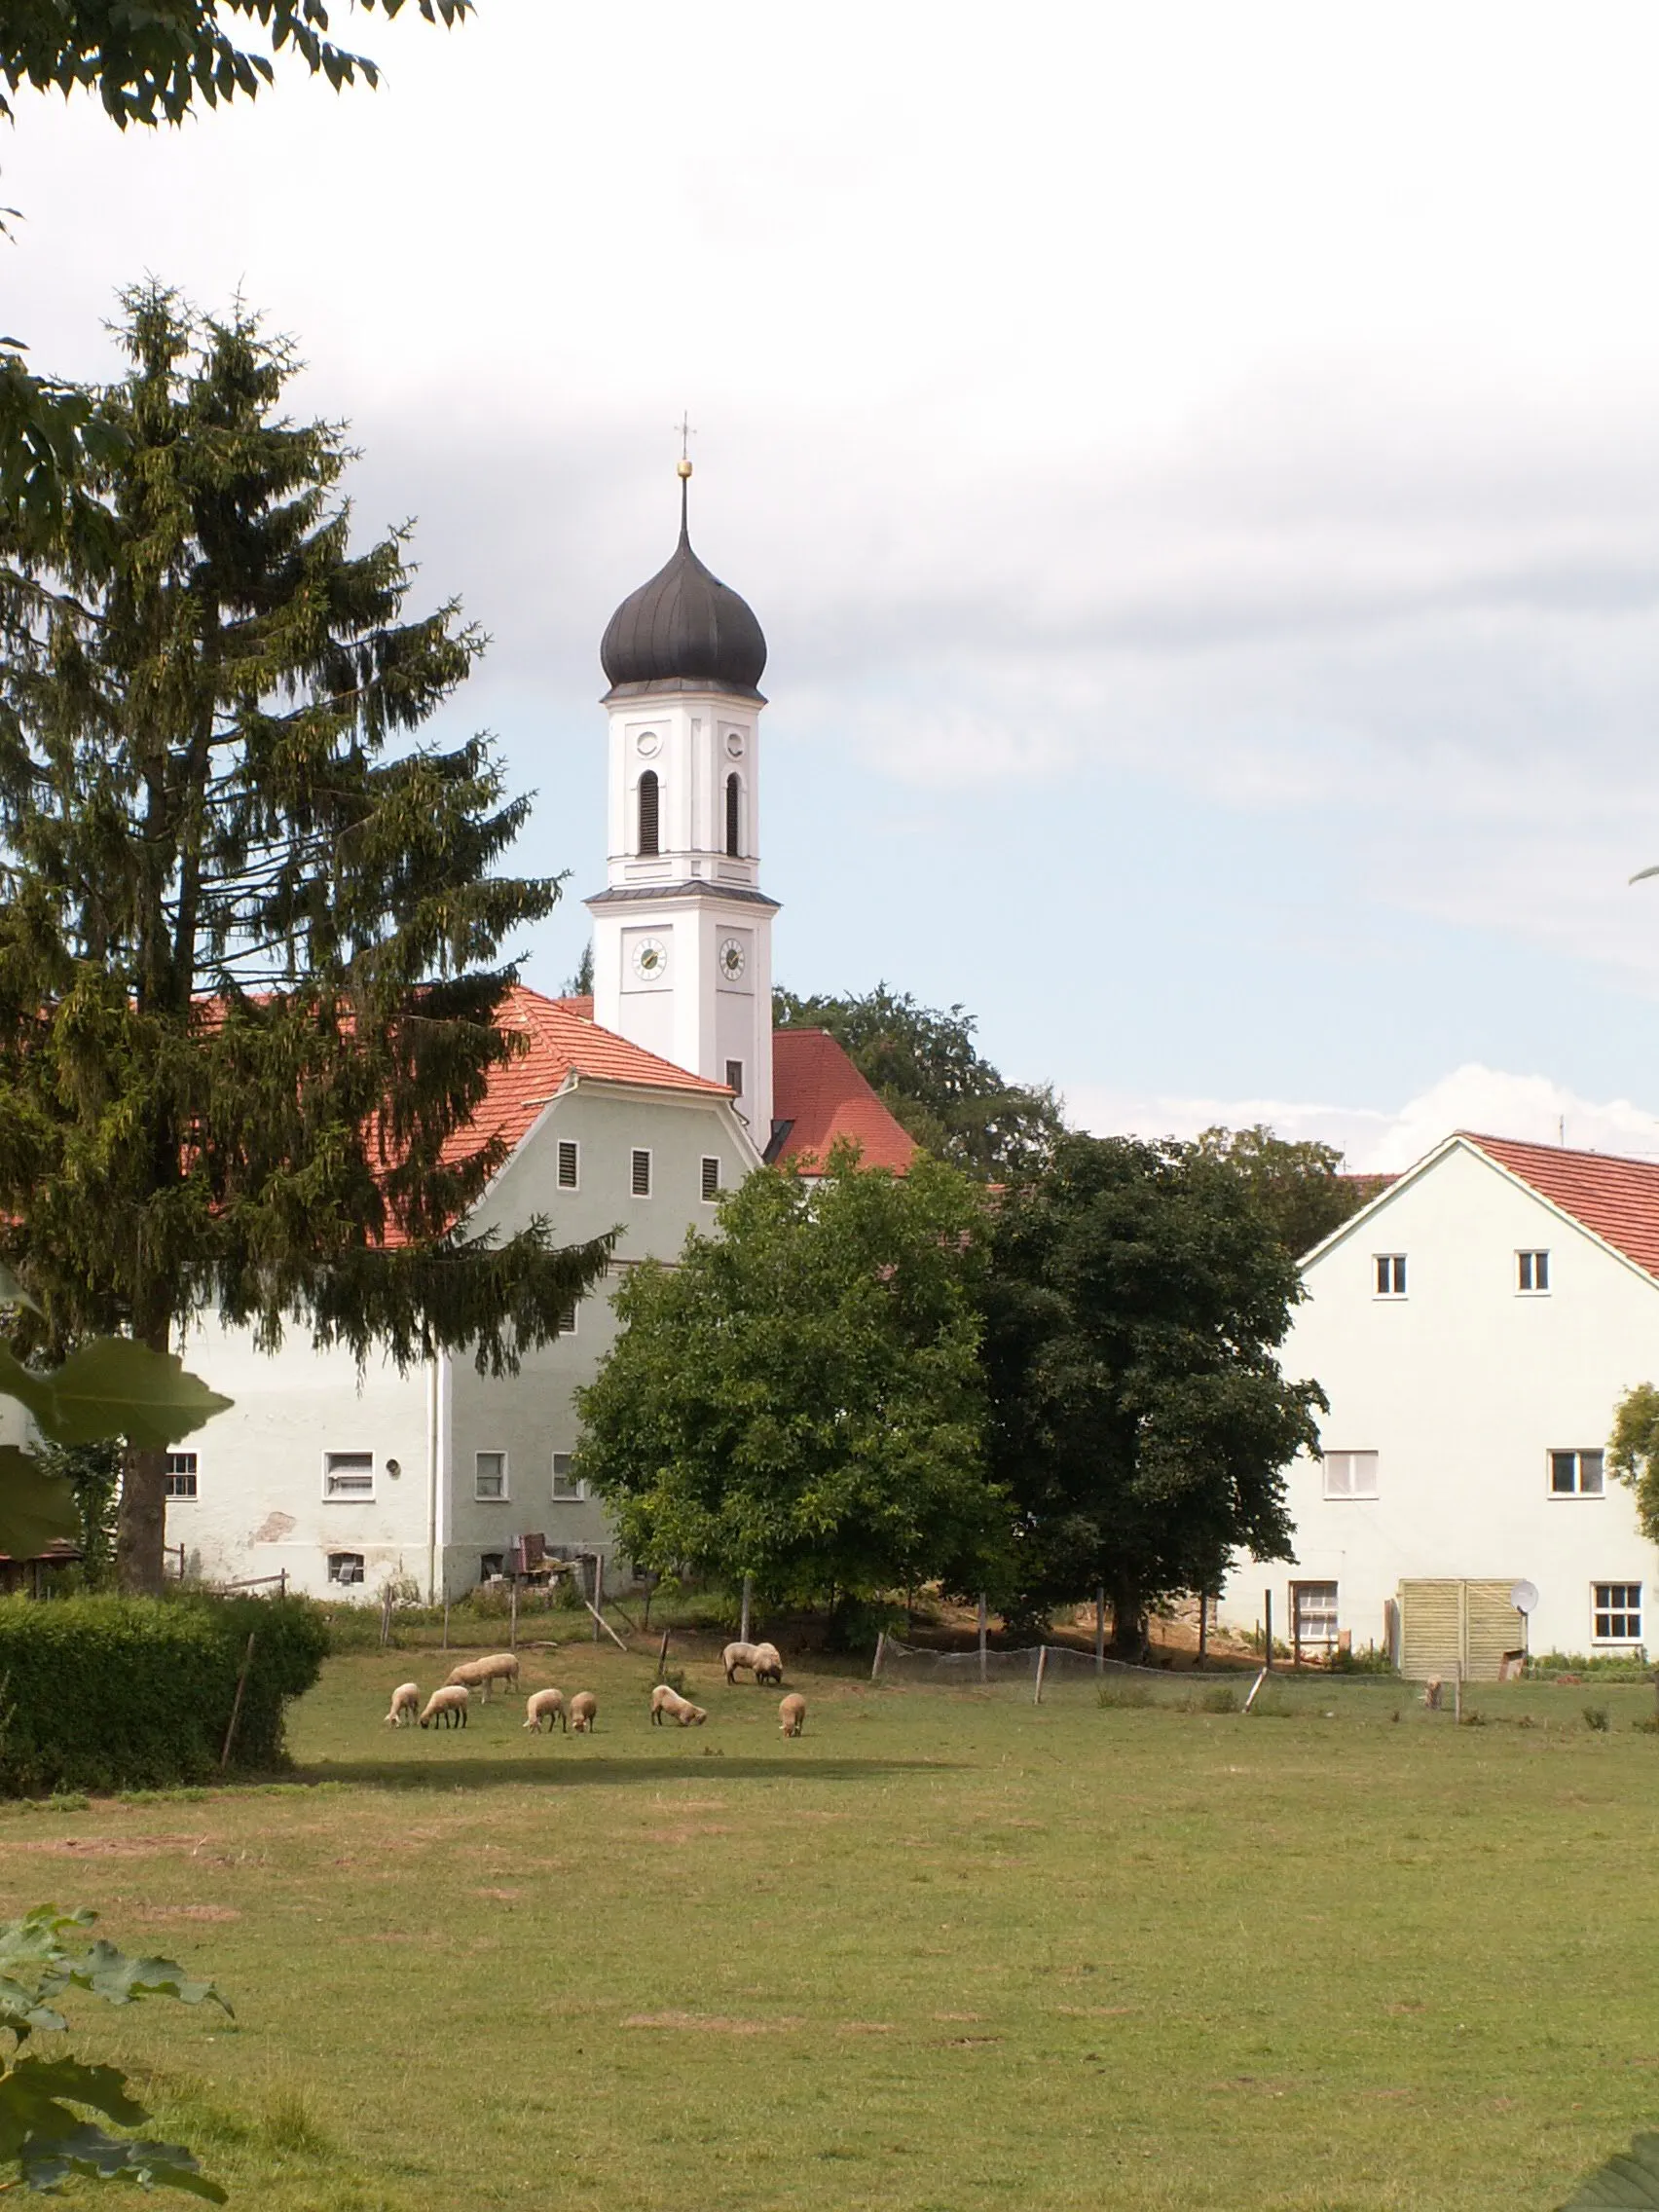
{"type": "Point", "coordinates": [637, 1107]}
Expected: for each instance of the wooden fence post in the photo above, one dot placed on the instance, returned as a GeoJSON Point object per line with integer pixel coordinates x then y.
{"type": "Point", "coordinates": [748, 1594]}
{"type": "Point", "coordinates": [1041, 1664]}
{"type": "Point", "coordinates": [445, 1645]}
{"type": "Point", "coordinates": [982, 1670]}
{"type": "Point", "coordinates": [1203, 1627]}
{"type": "Point", "coordinates": [881, 1645]}
{"type": "Point", "coordinates": [236, 1709]}
{"type": "Point", "coordinates": [1100, 1629]}
{"type": "Point", "coordinates": [598, 1594]}
{"type": "Point", "coordinates": [512, 1615]}
{"type": "Point", "coordinates": [1267, 1637]}
{"type": "Point", "coordinates": [662, 1657]}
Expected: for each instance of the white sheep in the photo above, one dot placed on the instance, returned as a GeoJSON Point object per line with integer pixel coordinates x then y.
{"type": "Point", "coordinates": [482, 1674]}
{"type": "Point", "coordinates": [678, 1708]}
{"type": "Point", "coordinates": [768, 1663]}
{"type": "Point", "coordinates": [446, 1707]}
{"type": "Point", "coordinates": [584, 1712]}
{"type": "Point", "coordinates": [791, 1713]}
{"type": "Point", "coordinates": [736, 1655]}
{"type": "Point", "coordinates": [405, 1704]}
{"type": "Point", "coordinates": [546, 1705]}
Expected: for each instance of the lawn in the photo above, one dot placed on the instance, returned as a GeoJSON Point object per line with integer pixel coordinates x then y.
{"type": "Point", "coordinates": [947, 1951]}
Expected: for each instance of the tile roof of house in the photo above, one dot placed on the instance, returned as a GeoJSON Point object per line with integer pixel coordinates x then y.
{"type": "Point", "coordinates": [817, 1090]}
{"type": "Point", "coordinates": [1616, 1199]}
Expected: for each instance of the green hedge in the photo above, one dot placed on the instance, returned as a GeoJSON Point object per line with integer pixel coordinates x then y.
{"type": "Point", "coordinates": [135, 1693]}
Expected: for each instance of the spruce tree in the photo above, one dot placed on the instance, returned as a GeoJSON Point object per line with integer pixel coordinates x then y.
{"type": "Point", "coordinates": [251, 932]}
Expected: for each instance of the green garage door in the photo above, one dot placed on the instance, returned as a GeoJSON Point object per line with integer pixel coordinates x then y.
{"type": "Point", "coordinates": [1444, 1625]}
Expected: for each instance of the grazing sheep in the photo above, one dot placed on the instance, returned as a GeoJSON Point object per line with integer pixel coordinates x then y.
{"type": "Point", "coordinates": [548, 1705]}
{"type": "Point", "coordinates": [446, 1707]}
{"type": "Point", "coordinates": [405, 1704]}
{"type": "Point", "coordinates": [584, 1712]}
{"type": "Point", "coordinates": [678, 1708]}
{"type": "Point", "coordinates": [768, 1663]}
{"type": "Point", "coordinates": [480, 1674]}
{"type": "Point", "coordinates": [736, 1655]}
{"type": "Point", "coordinates": [791, 1712]}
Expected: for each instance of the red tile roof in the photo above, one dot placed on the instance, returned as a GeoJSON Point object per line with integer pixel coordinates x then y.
{"type": "Point", "coordinates": [817, 1088]}
{"type": "Point", "coordinates": [1617, 1199]}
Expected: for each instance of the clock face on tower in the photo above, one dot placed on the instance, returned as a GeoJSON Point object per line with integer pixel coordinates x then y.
{"type": "Point", "coordinates": [733, 958]}
{"type": "Point", "coordinates": [650, 959]}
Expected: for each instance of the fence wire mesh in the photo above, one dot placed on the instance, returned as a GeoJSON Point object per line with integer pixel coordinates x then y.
{"type": "Point", "coordinates": [1040, 1672]}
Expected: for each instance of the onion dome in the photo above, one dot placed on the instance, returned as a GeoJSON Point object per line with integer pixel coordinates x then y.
{"type": "Point", "coordinates": [683, 631]}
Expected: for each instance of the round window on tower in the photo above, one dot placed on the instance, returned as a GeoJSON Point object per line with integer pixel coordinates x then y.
{"type": "Point", "coordinates": [648, 742]}
{"type": "Point", "coordinates": [734, 743]}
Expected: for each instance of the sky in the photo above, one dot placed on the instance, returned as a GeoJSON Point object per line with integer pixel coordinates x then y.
{"type": "Point", "coordinates": [1197, 469]}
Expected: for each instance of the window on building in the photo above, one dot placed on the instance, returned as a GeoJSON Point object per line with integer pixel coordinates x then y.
{"type": "Point", "coordinates": [1391, 1275]}
{"type": "Point", "coordinates": [711, 1178]}
{"type": "Point", "coordinates": [641, 1183]}
{"type": "Point", "coordinates": [348, 1474]}
{"type": "Point", "coordinates": [1313, 1612]}
{"type": "Point", "coordinates": [1576, 1474]}
{"type": "Point", "coordinates": [734, 1077]}
{"type": "Point", "coordinates": [345, 1567]}
{"type": "Point", "coordinates": [1351, 1474]}
{"type": "Point", "coordinates": [492, 1566]}
{"type": "Point", "coordinates": [489, 1474]}
{"type": "Point", "coordinates": [181, 1474]}
{"type": "Point", "coordinates": [567, 1486]}
{"type": "Point", "coordinates": [569, 1163]}
{"type": "Point", "coordinates": [734, 822]}
{"type": "Point", "coordinates": [567, 1318]}
{"type": "Point", "coordinates": [649, 800]}
{"type": "Point", "coordinates": [1616, 1616]}
{"type": "Point", "coordinates": [1532, 1272]}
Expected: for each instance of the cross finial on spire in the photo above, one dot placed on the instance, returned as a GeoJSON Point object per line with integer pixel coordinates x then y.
{"type": "Point", "coordinates": [687, 434]}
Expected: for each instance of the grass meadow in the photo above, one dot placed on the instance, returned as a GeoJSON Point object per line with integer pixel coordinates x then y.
{"type": "Point", "coordinates": [945, 1953]}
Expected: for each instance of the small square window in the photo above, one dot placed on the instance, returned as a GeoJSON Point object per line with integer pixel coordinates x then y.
{"type": "Point", "coordinates": [492, 1566]}
{"type": "Point", "coordinates": [489, 1475]}
{"type": "Point", "coordinates": [711, 1179]}
{"type": "Point", "coordinates": [734, 1076]}
{"type": "Point", "coordinates": [345, 1567]}
{"type": "Point", "coordinates": [1351, 1474]}
{"type": "Point", "coordinates": [569, 1164]}
{"type": "Point", "coordinates": [181, 1474]}
{"type": "Point", "coordinates": [567, 1486]}
{"type": "Point", "coordinates": [641, 1183]}
{"type": "Point", "coordinates": [348, 1474]}
{"type": "Point", "coordinates": [1617, 1613]}
{"type": "Point", "coordinates": [1532, 1272]}
{"type": "Point", "coordinates": [1314, 1613]}
{"type": "Point", "coordinates": [1391, 1275]}
{"type": "Point", "coordinates": [1577, 1474]}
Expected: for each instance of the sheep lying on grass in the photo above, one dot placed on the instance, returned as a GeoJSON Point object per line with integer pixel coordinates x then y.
{"type": "Point", "coordinates": [405, 1704]}
{"type": "Point", "coordinates": [548, 1705]}
{"type": "Point", "coordinates": [768, 1662]}
{"type": "Point", "coordinates": [791, 1712]}
{"type": "Point", "coordinates": [481, 1674]}
{"type": "Point", "coordinates": [584, 1712]}
{"type": "Point", "coordinates": [678, 1708]}
{"type": "Point", "coordinates": [447, 1708]}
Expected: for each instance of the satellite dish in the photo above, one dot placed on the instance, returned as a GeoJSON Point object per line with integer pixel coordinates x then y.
{"type": "Point", "coordinates": [1524, 1597]}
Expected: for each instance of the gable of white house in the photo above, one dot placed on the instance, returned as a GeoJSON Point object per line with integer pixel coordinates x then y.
{"type": "Point", "coordinates": [1453, 1403]}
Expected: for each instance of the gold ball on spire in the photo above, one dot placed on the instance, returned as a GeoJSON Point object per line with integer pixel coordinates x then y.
{"type": "Point", "coordinates": [682, 470]}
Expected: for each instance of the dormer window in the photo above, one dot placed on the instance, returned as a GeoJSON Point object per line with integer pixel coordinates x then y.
{"type": "Point", "coordinates": [733, 822]}
{"type": "Point", "coordinates": [649, 797]}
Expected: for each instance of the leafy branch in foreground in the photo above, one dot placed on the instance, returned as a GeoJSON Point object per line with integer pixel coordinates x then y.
{"type": "Point", "coordinates": [42, 2135]}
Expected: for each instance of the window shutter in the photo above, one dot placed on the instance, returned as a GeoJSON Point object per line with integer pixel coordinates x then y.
{"type": "Point", "coordinates": [649, 811]}
{"type": "Point", "coordinates": [711, 1178]}
{"type": "Point", "coordinates": [734, 843]}
{"type": "Point", "coordinates": [641, 1182]}
{"type": "Point", "coordinates": [569, 1157]}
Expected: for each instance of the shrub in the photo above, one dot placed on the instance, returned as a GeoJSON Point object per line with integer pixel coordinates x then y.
{"type": "Point", "coordinates": [1596, 1717]}
{"type": "Point", "coordinates": [114, 1693]}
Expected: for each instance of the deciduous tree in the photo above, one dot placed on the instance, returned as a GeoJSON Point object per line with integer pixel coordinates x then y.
{"type": "Point", "coordinates": [800, 1398]}
{"type": "Point", "coordinates": [1632, 1451]}
{"type": "Point", "coordinates": [251, 925]}
{"type": "Point", "coordinates": [1300, 1188]}
{"type": "Point", "coordinates": [1139, 1419]}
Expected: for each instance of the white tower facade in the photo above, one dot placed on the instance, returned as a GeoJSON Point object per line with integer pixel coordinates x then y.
{"type": "Point", "coordinates": [683, 930]}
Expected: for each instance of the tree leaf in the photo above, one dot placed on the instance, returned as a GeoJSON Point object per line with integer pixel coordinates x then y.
{"type": "Point", "coordinates": [1629, 2182]}
{"type": "Point", "coordinates": [36, 1508]}
{"type": "Point", "coordinates": [113, 1386]}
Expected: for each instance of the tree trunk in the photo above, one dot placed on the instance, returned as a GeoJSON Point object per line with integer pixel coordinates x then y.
{"type": "Point", "coordinates": [140, 1528]}
{"type": "Point", "coordinates": [1128, 1621]}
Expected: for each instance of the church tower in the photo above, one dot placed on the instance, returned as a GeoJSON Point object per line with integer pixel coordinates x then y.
{"type": "Point", "coordinates": [683, 932]}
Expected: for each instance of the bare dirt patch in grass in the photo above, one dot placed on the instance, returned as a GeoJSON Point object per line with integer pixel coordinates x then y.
{"type": "Point", "coordinates": [711, 2024]}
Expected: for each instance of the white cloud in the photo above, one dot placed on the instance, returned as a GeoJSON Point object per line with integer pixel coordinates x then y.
{"type": "Point", "coordinates": [1486, 1101]}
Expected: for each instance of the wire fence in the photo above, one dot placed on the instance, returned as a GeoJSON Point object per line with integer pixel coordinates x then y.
{"type": "Point", "coordinates": [1043, 1672]}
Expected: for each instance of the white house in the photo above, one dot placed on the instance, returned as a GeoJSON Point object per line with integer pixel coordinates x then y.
{"type": "Point", "coordinates": [633, 1110]}
{"type": "Point", "coordinates": [1473, 1329]}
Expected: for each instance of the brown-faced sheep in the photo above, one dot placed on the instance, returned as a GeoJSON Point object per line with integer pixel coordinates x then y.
{"type": "Point", "coordinates": [446, 1707]}
{"type": "Point", "coordinates": [548, 1705]}
{"type": "Point", "coordinates": [678, 1708]}
{"type": "Point", "coordinates": [791, 1713]}
{"type": "Point", "coordinates": [584, 1713]}
{"type": "Point", "coordinates": [481, 1674]}
{"type": "Point", "coordinates": [405, 1704]}
{"type": "Point", "coordinates": [768, 1663]}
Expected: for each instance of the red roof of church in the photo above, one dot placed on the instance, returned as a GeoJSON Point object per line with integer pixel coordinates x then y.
{"type": "Point", "coordinates": [1618, 1199]}
{"type": "Point", "coordinates": [818, 1090]}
